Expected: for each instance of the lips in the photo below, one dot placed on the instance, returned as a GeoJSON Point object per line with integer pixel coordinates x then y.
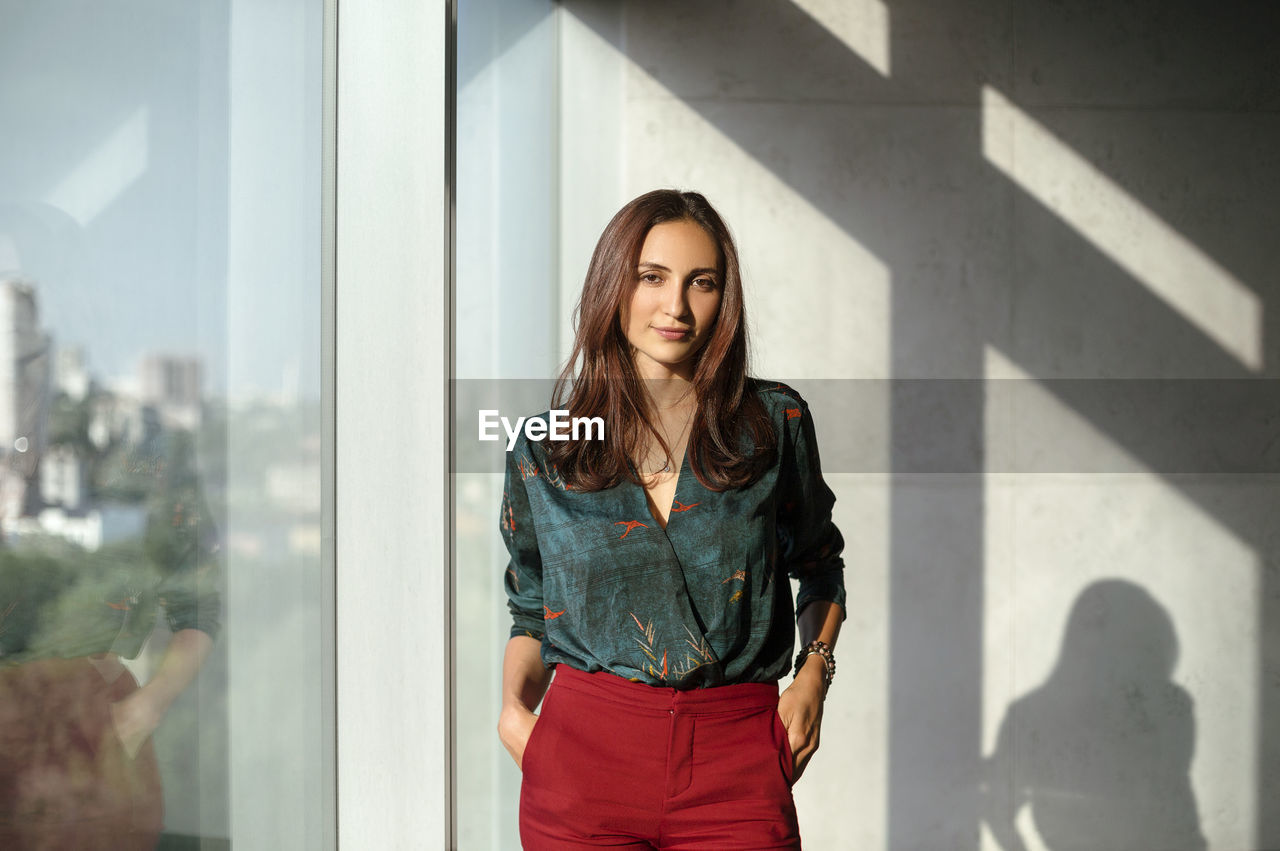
{"type": "Point", "coordinates": [672, 333]}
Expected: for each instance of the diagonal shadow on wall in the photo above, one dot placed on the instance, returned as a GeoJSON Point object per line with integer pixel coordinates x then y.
{"type": "Point", "coordinates": [955, 230]}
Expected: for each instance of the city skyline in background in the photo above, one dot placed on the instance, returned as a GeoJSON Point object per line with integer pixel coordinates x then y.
{"type": "Point", "coordinates": [112, 350]}
{"type": "Point", "coordinates": [78, 452]}
{"type": "Point", "coordinates": [61, 427]}
{"type": "Point", "coordinates": [137, 370]}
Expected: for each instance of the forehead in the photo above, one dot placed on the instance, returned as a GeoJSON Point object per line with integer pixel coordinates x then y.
{"type": "Point", "coordinates": [680, 244]}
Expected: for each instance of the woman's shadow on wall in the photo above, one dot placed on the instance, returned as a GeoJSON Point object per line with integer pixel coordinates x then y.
{"type": "Point", "coordinates": [1101, 752]}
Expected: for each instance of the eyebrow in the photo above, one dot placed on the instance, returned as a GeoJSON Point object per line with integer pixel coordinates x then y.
{"type": "Point", "coordinates": [703, 270]}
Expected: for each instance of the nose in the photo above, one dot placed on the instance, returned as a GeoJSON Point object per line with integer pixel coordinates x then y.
{"type": "Point", "coordinates": [675, 304]}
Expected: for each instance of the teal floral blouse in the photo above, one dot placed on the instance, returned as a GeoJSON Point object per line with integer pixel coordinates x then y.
{"type": "Point", "coordinates": [705, 602]}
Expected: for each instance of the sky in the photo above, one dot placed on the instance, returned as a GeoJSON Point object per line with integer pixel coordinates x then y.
{"type": "Point", "coordinates": [160, 183]}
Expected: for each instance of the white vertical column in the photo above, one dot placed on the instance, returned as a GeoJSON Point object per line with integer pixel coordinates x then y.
{"type": "Point", "coordinates": [391, 371]}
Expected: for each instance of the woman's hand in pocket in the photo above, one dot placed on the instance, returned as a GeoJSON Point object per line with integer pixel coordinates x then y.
{"type": "Point", "coordinates": [800, 706]}
{"type": "Point", "coordinates": [515, 725]}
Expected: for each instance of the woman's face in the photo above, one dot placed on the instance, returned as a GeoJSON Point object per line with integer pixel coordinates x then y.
{"type": "Point", "coordinates": [676, 299]}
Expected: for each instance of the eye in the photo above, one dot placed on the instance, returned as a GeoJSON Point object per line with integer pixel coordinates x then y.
{"type": "Point", "coordinates": [651, 277]}
{"type": "Point", "coordinates": [704, 283]}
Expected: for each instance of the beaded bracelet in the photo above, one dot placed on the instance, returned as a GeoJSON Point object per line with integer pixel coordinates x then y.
{"type": "Point", "coordinates": [828, 659]}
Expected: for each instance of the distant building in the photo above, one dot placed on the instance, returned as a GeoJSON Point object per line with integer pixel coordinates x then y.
{"type": "Point", "coordinates": [24, 394]}
{"type": "Point", "coordinates": [62, 478]}
{"type": "Point", "coordinates": [115, 418]}
{"type": "Point", "coordinates": [70, 373]}
{"type": "Point", "coordinates": [172, 384]}
{"type": "Point", "coordinates": [89, 530]}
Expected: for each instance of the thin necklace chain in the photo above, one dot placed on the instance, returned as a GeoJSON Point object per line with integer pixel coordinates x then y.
{"type": "Point", "coordinates": [666, 468]}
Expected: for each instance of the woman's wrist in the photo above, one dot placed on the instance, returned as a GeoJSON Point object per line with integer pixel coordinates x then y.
{"type": "Point", "coordinates": [812, 672]}
{"type": "Point", "coordinates": [817, 656]}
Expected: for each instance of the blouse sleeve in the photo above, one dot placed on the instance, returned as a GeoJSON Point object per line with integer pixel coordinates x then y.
{"type": "Point", "coordinates": [191, 600]}
{"type": "Point", "coordinates": [523, 578]}
{"type": "Point", "coordinates": [183, 544]}
{"type": "Point", "coordinates": [809, 543]}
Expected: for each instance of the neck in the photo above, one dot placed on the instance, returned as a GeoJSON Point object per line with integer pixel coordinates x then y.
{"type": "Point", "coordinates": [667, 388]}
{"type": "Point", "coordinates": [668, 393]}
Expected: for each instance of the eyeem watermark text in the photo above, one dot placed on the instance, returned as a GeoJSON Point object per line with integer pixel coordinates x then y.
{"type": "Point", "coordinates": [558, 426]}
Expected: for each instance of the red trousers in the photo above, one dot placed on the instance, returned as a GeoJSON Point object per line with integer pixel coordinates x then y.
{"type": "Point", "coordinates": [617, 764]}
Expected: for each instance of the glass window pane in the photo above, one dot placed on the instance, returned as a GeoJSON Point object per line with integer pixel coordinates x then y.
{"type": "Point", "coordinates": [508, 316]}
{"type": "Point", "coordinates": [161, 571]}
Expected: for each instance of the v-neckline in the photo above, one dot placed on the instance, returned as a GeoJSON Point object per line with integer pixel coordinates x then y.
{"type": "Point", "coordinates": [644, 493]}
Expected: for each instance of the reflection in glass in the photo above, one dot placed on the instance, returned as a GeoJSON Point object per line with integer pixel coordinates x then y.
{"type": "Point", "coordinates": [160, 532]}
{"type": "Point", "coordinates": [104, 526]}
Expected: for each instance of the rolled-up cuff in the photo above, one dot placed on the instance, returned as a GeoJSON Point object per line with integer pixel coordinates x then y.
{"type": "Point", "coordinates": [828, 586]}
{"type": "Point", "coordinates": [523, 623]}
{"type": "Point", "coordinates": [189, 606]}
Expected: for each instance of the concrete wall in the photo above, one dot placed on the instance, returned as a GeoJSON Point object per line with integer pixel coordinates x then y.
{"type": "Point", "coordinates": [1062, 570]}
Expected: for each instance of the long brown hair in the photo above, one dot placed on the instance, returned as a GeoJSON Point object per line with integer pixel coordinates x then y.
{"type": "Point", "coordinates": [731, 439]}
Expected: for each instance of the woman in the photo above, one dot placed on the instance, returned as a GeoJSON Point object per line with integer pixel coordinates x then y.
{"type": "Point", "coordinates": [650, 568]}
